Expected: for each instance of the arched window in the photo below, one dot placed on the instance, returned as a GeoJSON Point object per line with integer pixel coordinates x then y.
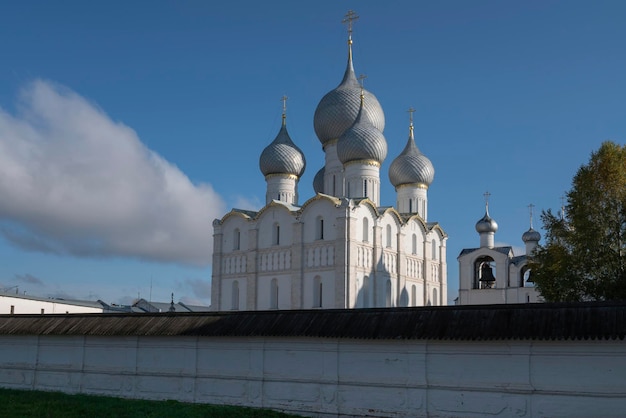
{"type": "Point", "coordinates": [236, 239]}
{"type": "Point", "coordinates": [276, 234]}
{"type": "Point", "coordinates": [435, 299]}
{"type": "Point", "coordinates": [484, 278]}
{"type": "Point", "coordinates": [364, 188]}
{"type": "Point", "coordinates": [414, 244]}
{"type": "Point", "coordinates": [525, 279]}
{"type": "Point", "coordinates": [235, 296]}
{"type": "Point", "coordinates": [388, 294]}
{"type": "Point", "coordinates": [319, 228]}
{"type": "Point", "coordinates": [434, 243]}
{"type": "Point", "coordinates": [366, 227]}
{"type": "Point", "coordinates": [274, 294]}
{"type": "Point", "coordinates": [413, 295]}
{"type": "Point", "coordinates": [388, 233]}
{"type": "Point", "coordinates": [317, 292]}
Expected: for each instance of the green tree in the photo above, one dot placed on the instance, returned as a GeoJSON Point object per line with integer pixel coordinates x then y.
{"type": "Point", "coordinates": [584, 256]}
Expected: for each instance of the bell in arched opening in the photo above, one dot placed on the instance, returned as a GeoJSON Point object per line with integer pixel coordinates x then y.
{"type": "Point", "coordinates": [487, 279]}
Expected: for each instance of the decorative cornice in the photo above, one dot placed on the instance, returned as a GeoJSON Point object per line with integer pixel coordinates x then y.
{"type": "Point", "coordinates": [282, 175]}
{"type": "Point", "coordinates": [369, 162]}
{"type": "Point", "coordinates": [413, 185]}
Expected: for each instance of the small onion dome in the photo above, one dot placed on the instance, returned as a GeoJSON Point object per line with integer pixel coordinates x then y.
{"type": "Point", "coordinates": [486, 224]}
{"type": "Point", "coordinates": [318, 181]}
{"type": "Point", "coordinates": [531, 236]}
{"type": "Point", "coordinates": [362, 141]}
{"type": "Point", "coordinates": [411, 166]}
{"type": "Point", "coordinates": [282, 156]}
{"type": "Point", "coordinates": [339, 108]}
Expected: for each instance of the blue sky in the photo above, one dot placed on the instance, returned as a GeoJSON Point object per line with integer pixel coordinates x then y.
{"type": "Point", "coordinates": [126, 128]}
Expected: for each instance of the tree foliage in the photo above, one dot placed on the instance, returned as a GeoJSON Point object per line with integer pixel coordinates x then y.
{"type": "Point", "coordinates": [584, 255]}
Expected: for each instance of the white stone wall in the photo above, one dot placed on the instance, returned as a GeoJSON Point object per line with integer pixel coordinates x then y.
{"type": "Point", "coordinates": [332, 377]}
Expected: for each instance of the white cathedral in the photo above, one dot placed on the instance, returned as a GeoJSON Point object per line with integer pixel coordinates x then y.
{"type": "Point", "coordinates": [340, 248]}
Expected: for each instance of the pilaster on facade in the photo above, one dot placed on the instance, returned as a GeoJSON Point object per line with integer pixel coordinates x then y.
{"type": "Point", "coordinates": [253, 264]}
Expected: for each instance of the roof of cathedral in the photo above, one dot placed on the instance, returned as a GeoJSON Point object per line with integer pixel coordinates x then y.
{"type": "Point", "coordinates": [411, 166]}
{"type": "Point", "coordinates": [339, 108]}
{"type": "Point", "coordinates": [362, 140]}
{"type": "Point", "coordinates": [282, 156]}
{"type": "Point", "coordinates": [542, 321]}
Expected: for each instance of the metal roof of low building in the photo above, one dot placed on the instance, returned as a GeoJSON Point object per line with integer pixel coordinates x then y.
{"type": "Point", "coordinates": [74, 302]}
{"type": "Point", "coordinates": [503, 250]}
{"type": "Point", "coordinates": [567, 321]}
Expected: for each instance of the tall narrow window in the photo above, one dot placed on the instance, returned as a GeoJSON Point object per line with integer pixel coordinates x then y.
{"type": "Point", "coordinates": [410, 205]}
{"type": "Point", "coordinates": [237, 239]}
{"type": "Point", "coordinates": [317, 292]}
{"type": "Point", "coordinates": [276, 237]}
{"type": "Point", "coordinates": [414, 244]}
{"type": "Point", "coordinates": [274, 294]}
{"type": "Point", "coordinates": [235, 296]}
{"type": "Point", "coordinates": [388, 294]}
{"type": "Point", "coordinates": [366, 227]}
{"type": "Point", "coordinates": [364, 188]}
{"type": "Point", "coordinates": [434, 244]}
{"type": "Point", "coordinates": [388, 236]}
{"type": "Point", "coordinates": [319, 228]}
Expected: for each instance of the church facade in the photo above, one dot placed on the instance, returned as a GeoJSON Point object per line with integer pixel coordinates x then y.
{"type": "Point", "coordinates": [340, 248]}
{"type": "Point", "coordinates": [495, 275]}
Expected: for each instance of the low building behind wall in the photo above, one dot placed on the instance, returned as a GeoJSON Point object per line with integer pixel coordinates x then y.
{"type": "Point", "coordinates": [567, 360]}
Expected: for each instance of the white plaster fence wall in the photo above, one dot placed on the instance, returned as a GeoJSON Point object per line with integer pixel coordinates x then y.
{"type": "Point", "coordinates": [332, 377]}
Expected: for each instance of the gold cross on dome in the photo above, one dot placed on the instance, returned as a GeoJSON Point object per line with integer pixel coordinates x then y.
{"type": "Point", "coordinates": [362, 78]}
{"type": "Point", "coordinates": [350, 17]}
{"type": "Point", "coordinates": [411, 111]}
{"type": "Point", "coordinates": [487, 194]}
{"type": "Point", "coordinates": [284, 100]}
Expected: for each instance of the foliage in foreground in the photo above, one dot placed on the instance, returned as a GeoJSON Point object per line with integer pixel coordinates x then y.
{"type": "Point", "coordinates": [30, 404]}
{"type": "Point", "coordinates": [584, 257]}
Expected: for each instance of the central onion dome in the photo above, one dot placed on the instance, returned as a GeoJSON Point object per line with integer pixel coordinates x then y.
{"type": "Point", "coordinates": [411, 166]}
{"type": "Point", "coordinates": [486, 223]}
{"type": "Point", "coordinates": [282, 156]}
{"type": "Point", "coordinates": [338, 109]}
{"type": "Point", "coordinates": [362, 140]}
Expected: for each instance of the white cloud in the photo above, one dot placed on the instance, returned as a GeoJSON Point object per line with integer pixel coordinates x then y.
{"type": "Point", "coordinates": [75, 182]}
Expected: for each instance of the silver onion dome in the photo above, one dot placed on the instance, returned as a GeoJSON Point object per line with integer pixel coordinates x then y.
{"type": "Point", "coordinates": [282, 156]}
{"type": "Point", "coordinates": [318, 181]}
{"type": "Point", "coordinates": [486, 224]}
{"type": "Point", "coordinates": [362, 141]}
{"type": "Point", "coordinates": [411, 166]}
{"type": "Point", "coordinates": [531, 236]}
{"type": "Point", "coordinates": [338, 109]}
